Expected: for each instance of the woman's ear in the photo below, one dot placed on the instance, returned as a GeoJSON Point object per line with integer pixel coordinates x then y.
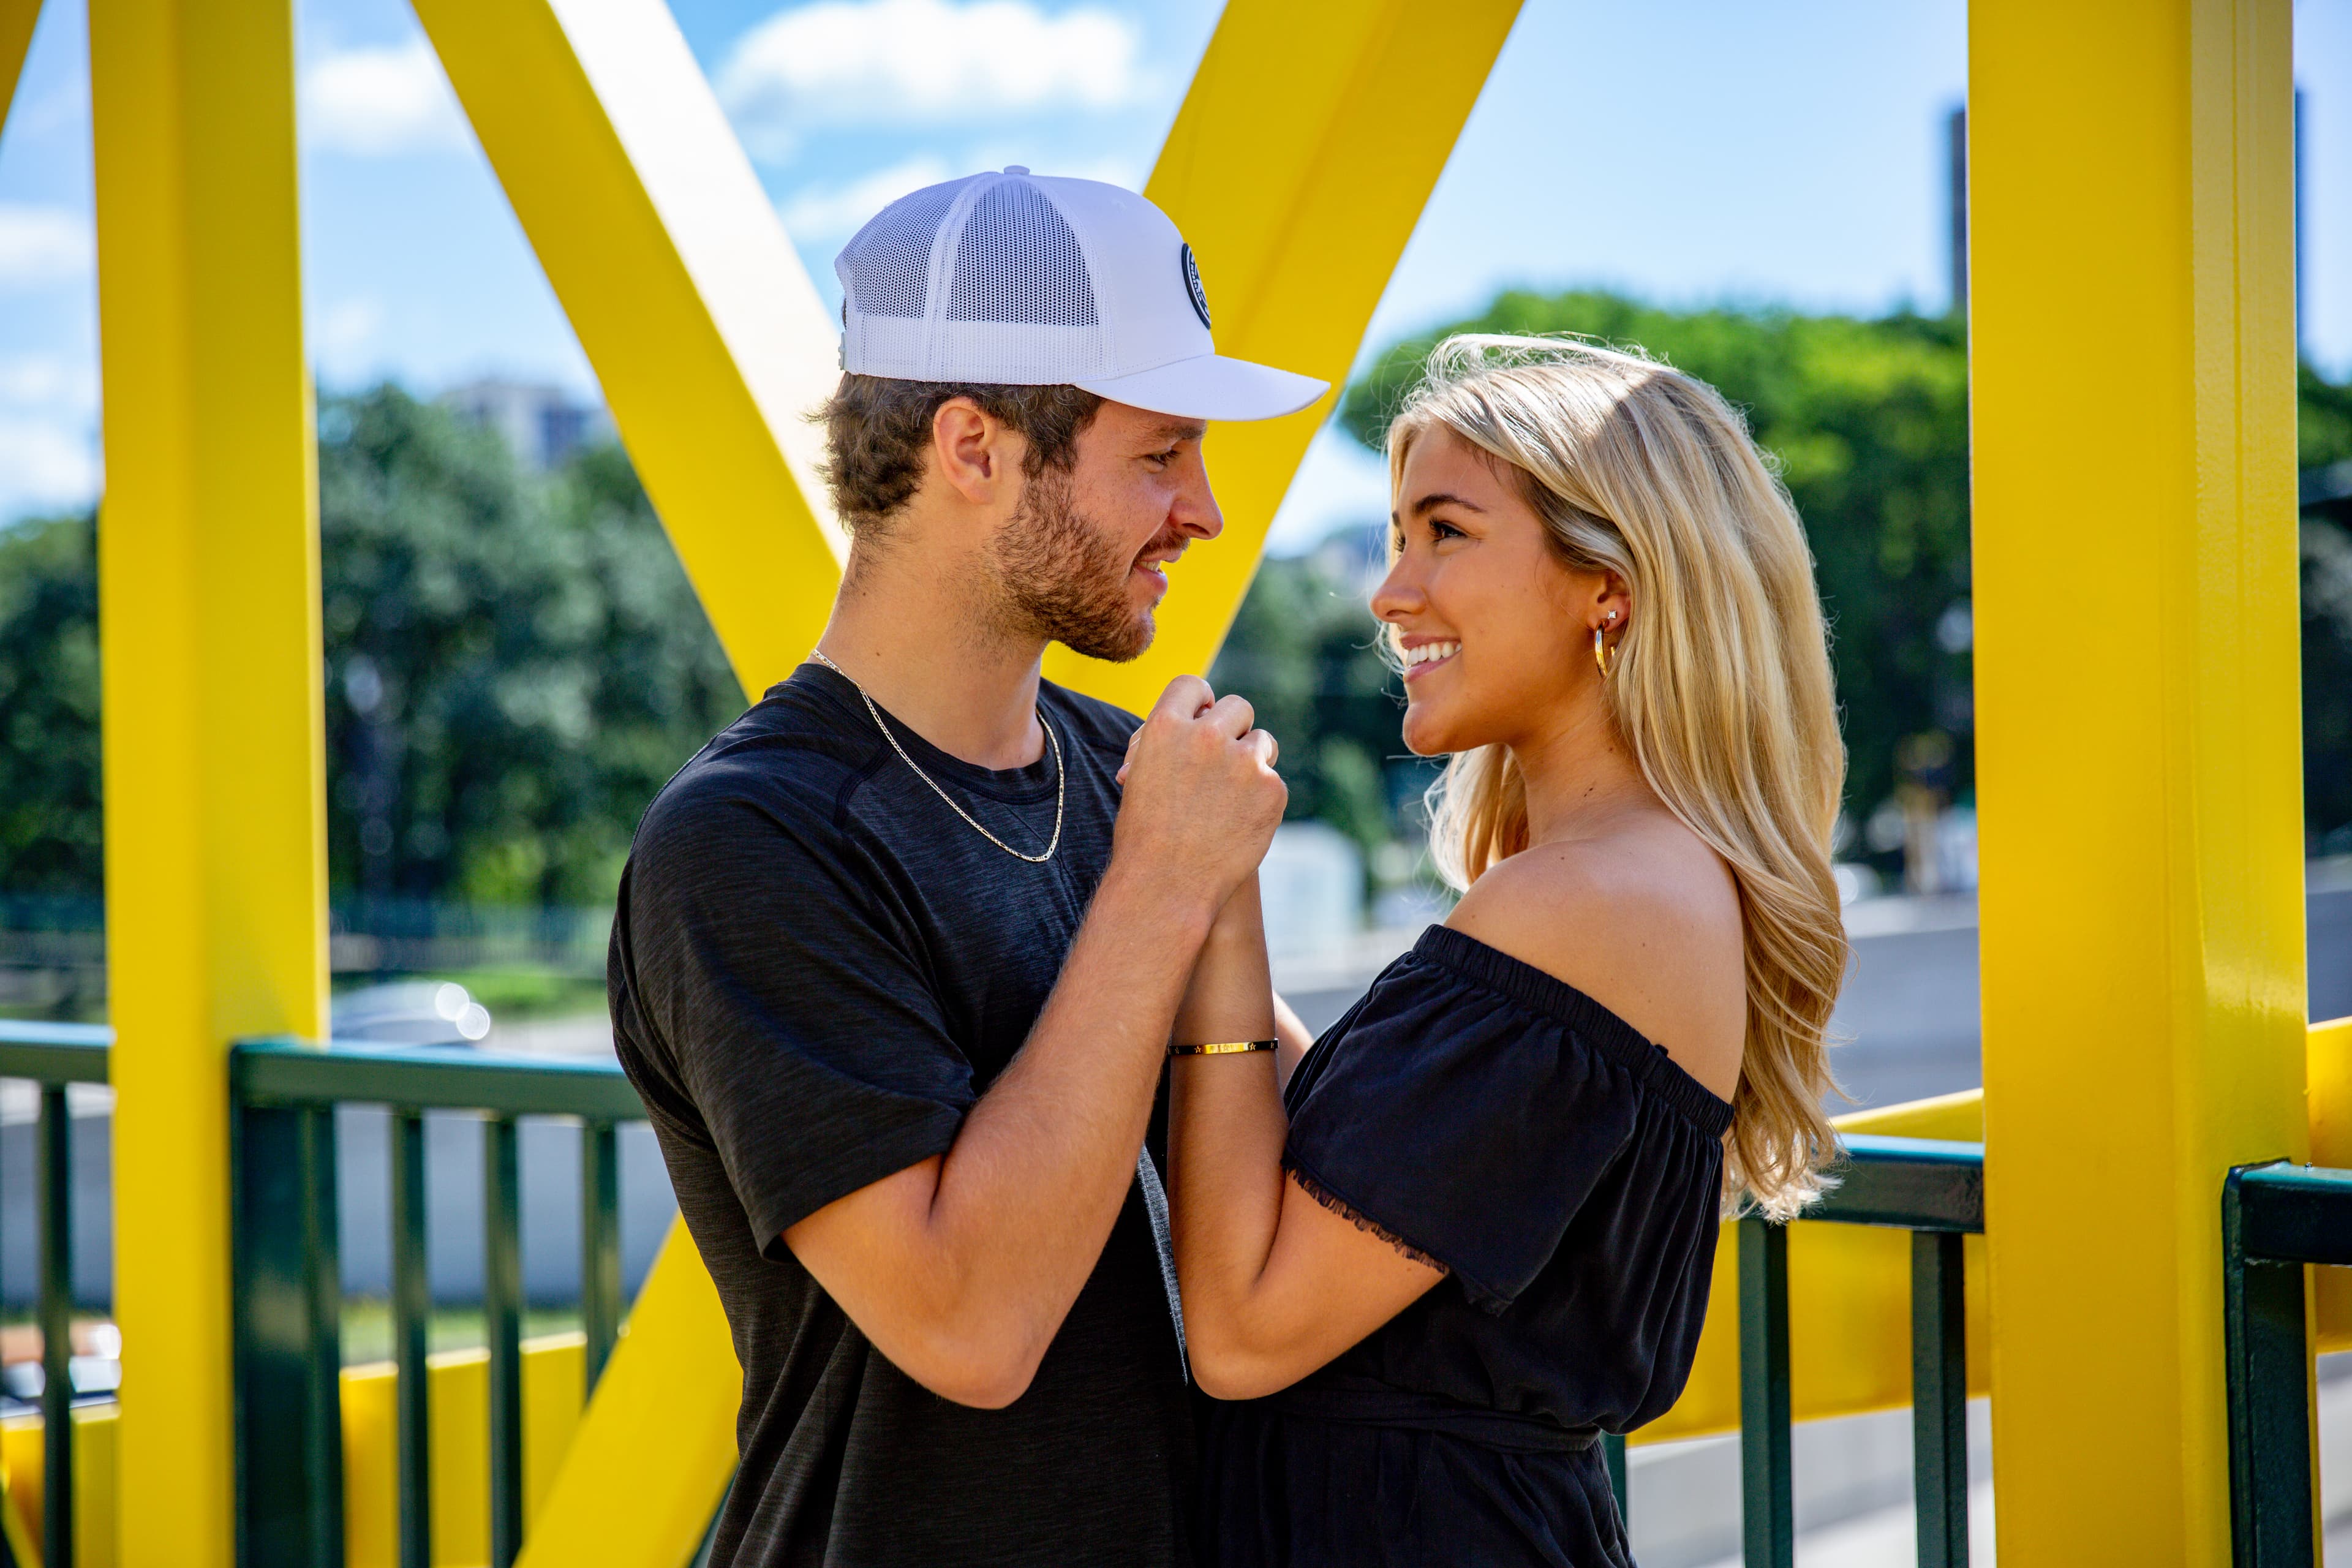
{"type": "Point", "coordinates": [1614, 603]}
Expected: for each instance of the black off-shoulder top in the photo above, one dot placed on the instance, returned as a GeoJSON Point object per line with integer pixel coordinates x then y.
{"type": "Point", "coordinates": [1488, 1118]}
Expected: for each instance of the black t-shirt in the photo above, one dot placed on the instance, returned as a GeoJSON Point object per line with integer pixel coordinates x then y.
{"type": "Point", "coordinates": [816, 969]}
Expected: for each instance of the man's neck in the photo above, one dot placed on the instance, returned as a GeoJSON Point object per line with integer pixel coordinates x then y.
{"type": "Point", "coordinates": [913, 631]}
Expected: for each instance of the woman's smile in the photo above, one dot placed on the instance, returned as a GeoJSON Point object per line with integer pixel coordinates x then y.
{"type": "Point", "coordinates": [1421, 657]}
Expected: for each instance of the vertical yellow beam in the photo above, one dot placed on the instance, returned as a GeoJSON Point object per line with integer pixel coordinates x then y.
{"type": "Point", "coordinates": [16, 19]}
{"type": "Point", "coordinates": [208, 583]}
{"type": "Point", "coordinates": [2131, 322]}
{"type": "Point", "coordinates": [1297, 167]}
{"type": "Point", "coordinates": [708, 338]}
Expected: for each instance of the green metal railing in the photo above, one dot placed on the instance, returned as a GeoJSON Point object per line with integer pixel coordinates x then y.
{"type": "Point", "coordinates": [53, 1056]}
{"type": "Point", "coordinates": [1936, 1191]}
{"type": "Point", "coordinates": [283, 1096]}
{"type": "Point", "coordinates": [2275, 1219]}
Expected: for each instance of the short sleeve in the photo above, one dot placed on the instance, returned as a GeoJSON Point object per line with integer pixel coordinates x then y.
{"type": "Point", "coordinates": [757, 950]}
{"type": "Point", "coordinates": [1461, 1121]}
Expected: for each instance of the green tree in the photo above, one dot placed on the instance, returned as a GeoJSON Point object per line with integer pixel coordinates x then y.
{"type": "Point", "coordinates": [49, 840]}
{"type": "Point", "coordinates": [515, 665]}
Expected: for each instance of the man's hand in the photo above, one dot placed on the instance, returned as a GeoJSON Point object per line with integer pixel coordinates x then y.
{"type": "Point", "coordinates": [1202, 798]}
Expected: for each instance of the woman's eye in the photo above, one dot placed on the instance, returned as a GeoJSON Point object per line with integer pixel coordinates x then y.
{"type": "Point", "coordinates": [1440, 530]}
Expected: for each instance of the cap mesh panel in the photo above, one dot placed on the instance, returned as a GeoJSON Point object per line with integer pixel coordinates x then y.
{"type": "Point", "coordinates": [1017, 262]}
{"type": "Point", "coordinates": [890, 261]}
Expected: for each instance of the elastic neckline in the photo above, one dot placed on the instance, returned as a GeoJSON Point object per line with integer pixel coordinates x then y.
{"type": "Point", "coordinates": [1531, 987]}
{"type": "Point", "coordinates": [1008, 787]}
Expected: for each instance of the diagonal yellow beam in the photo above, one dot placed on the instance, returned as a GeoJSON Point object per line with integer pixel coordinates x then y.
{"type": "Point", "coordinates": [16, 19]}
{"type": "Point", "coordinates": [703, 329]}
{"type": "Point", "coordinates": [1297, 167]}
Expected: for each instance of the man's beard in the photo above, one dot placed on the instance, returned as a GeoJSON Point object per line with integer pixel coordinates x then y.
{"type": "Point", "coordinates": [1059, 578]}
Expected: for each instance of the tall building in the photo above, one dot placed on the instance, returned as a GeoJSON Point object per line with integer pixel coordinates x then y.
{"type": "Point", "coordinates": [542, 424]}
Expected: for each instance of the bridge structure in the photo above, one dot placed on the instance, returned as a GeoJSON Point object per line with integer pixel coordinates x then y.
{"type": "Point", "coordinates": [2132, 291]}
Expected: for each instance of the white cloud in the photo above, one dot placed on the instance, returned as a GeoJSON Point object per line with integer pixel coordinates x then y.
{"type": "Point", "coordinates": [48, 433]}
{"type": "Point", "coordinates": [45, 463]}
{"type": "Point", "coordinates": [901, 61]}
{"type": "Point", "coordinates": [836, 212]}
{"type": "Point", "coordinates": [41, 246]}
{"type": "Point", "coordinates": [342, 330]}
{"type": "Point", "coordinates": [381, 101]}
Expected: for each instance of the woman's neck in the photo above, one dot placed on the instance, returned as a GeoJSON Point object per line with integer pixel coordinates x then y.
{"type": "Point", "coordinates": [1578, 773]}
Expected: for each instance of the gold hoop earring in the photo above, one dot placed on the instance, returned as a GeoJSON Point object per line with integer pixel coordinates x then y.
{"type": "Point", "coordinates": [1601, 653]}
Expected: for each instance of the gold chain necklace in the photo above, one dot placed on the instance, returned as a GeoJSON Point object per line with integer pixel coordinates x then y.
{"type": "Point", "coordinates": [1061, 772]}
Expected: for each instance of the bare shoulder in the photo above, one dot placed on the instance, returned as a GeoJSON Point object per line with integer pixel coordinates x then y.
{"type": "Point", "coordinates": [1644, 920]}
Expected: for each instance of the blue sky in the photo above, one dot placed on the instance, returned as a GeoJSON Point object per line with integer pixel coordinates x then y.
{"type": "Point", "coordinates": [1688, 152]}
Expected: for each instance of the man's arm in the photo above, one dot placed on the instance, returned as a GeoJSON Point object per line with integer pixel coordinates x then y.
{"type": "Point", "coordinates": [961, 1268]}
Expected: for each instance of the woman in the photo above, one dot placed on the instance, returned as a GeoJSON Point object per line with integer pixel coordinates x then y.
{"type": "Point", "coordinates": [1476, 1228]}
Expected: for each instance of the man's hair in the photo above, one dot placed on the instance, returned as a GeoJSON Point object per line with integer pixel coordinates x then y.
{"type": "Point", "coordinates": [877, 429]}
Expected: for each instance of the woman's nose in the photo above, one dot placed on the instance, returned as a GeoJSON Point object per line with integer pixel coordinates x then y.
{"type": "Point", "coordinates": [1399, 592]}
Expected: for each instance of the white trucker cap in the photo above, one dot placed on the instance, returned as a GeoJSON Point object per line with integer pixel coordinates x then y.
{"type": "Point", "coordinates": [1016, 280]}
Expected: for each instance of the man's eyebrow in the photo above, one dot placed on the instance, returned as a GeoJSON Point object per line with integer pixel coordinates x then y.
{"type": "Point", "coordinates": [1180, 430]}
{"type": "Point", "coordinates": [1443, 498]}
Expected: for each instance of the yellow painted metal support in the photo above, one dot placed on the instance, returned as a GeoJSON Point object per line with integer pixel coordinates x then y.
{"type": "Point", "coordinates": [709, 340]}
{"type": "Point", "coordinates": [209, 595]}
{"type": "Point", "coordinates": [2131, 323]}
{"type": "Point", "coordinates": [657, 1445]}
{"type": "Point", "coordinates": [1297, 166]}
{"type": "Point", "coordinates": [16, 19]}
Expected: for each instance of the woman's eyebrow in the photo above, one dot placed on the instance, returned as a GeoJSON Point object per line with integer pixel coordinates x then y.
{"type": "Point", "coordinates": [1443, 498]}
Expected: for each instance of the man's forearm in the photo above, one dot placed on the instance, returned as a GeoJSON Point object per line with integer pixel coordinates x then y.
{"type": "Point", "coordinates": [1027, 1196]}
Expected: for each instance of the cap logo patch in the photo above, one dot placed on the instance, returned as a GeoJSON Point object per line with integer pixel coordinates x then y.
{"type": "Point", "coordinates": [1192, 285]}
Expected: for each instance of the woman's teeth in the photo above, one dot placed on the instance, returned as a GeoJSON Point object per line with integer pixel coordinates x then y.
{"type": "Point", "coordinates": [1430, 653]}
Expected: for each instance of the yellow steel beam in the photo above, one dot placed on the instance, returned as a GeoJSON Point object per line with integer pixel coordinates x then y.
{"type": "Point", "coordinates": [708, 337]}
{"type": "Point", "coordinates": [2131, 194]}
{"type": "Point", "coordinates": [16, 19]}
{"type": "Point", "coordinates": [209, 595]}
{"type": "Point", "coordinates": [657, 1444]}
{"type": "Point", "coordinates": [1296, 168]}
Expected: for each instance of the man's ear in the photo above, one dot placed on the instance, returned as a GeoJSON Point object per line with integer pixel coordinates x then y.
{"type": "Point", "coordinates": [975, 452]}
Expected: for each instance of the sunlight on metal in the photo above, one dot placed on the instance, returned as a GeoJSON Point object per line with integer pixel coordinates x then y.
{"type": "Point", "coordinates": [657, 1443]}
{"type": "Point", "coordinates": [704, 329]}
{"type": "Point", "coordinates": [1298, 175]}
{"type": "Point", "coordinates": [2131, 206]}
{"type": "Point", "coordinates": [97, 1438]}
{"type": "Point", "coordinates": [209, 624]}
{"type": "Point", "coordinates": [16, 20]}
{"type": "Point", "coordinates": [553, 1374]}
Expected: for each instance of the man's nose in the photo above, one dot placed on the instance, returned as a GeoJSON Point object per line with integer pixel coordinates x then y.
{"type": "Point", "coordinates": [1195, 511]}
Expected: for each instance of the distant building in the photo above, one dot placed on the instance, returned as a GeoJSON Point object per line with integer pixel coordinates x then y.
{"type": "Point", "coordinates": [542, 424]}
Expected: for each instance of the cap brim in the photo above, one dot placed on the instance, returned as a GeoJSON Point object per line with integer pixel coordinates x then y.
{"type": "Point", "coordinates": [1211, 387]}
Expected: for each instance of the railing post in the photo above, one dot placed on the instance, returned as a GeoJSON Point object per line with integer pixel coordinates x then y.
{"type": "Point", "coordinates": [1766, 1518]}
{"type": "Point", "coordinates": [1939, 1398]}
{"type": "Point", "coordinates": [55, 1197]}
{"type": "Point", "coordinates": [502, 1323]}
{"type": "Point", "coordinates": [289, 1358]}
{"type": "Point", "coordinates": [599, 1244]}
{"type": "Point", "coordinates": [2269, 1393]}
{"type": "Point", "coordinates": [412, 1310]}
{"type": "Point", "coordinates": [1613, 1457]}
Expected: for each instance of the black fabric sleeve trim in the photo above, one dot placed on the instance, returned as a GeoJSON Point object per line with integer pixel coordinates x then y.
{"type": "Point", "coordinates": [886, 1154]}
{"type": "Point", "coordinates": [1356, 1217]}
{"type": "Point", "coordinates": [1531, 987]}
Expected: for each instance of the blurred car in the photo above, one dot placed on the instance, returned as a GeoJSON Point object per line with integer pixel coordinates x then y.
{"type": "Point", "coordinates": [410, 1013]}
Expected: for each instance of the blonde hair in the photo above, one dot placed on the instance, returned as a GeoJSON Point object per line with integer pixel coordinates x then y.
{"type": "Point", "coordinates": [1720, 688]}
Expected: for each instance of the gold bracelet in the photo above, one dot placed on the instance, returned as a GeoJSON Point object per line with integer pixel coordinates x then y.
{"type": "Point", "coordinates": [1224, 1049]}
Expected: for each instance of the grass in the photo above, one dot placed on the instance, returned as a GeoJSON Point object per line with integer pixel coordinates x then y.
{"type": "Point", "coordinates": [367, 1327]}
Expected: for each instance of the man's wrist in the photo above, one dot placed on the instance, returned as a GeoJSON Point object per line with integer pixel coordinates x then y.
{"type": "Point", "coordinates": [1178, 909]}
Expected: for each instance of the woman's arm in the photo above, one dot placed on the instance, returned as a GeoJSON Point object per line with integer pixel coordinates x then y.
{"type": "Point", "coordinates": [1275, 1285]}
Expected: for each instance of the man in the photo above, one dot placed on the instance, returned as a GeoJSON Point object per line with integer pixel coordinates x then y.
{"type": "Point", "coordinates": [895, 959]}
